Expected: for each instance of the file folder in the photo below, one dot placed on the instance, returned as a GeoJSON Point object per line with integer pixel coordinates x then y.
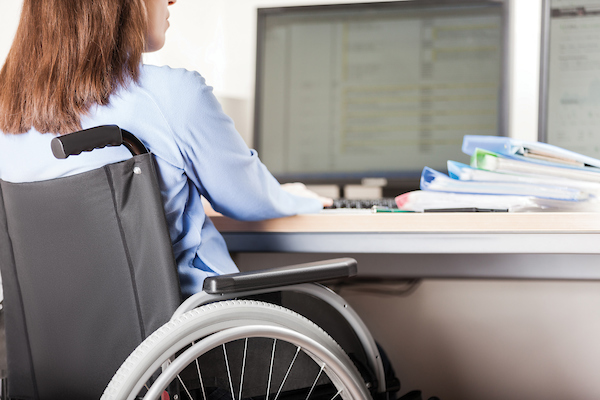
{"type": "Point", "coordinates": [457, 170]}
{"type": "Point", "coordinates": [490, 161]}
{"type": "Point", "coordinates": [421, 200]}
{"type": "Point", "coordinates": [436, 181]}
{"type": "Point", "coordinates": [535, 152]}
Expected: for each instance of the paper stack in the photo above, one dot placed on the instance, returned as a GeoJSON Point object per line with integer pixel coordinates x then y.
{"type": "Point", "coordinates": [510, 175]}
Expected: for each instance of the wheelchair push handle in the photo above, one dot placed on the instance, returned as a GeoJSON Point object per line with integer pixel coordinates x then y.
{"type": "Point", "coordinates": [95, 138]}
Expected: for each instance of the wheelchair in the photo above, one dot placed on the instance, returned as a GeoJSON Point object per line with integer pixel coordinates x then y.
{"type": "Point", "coordinates": [93, 307]}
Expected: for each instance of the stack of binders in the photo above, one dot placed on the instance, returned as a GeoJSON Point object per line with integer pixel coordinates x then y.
{"type": "Point", "coordinates": [510, 175]}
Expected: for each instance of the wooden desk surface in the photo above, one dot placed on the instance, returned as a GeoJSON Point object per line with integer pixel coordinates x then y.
{"type": "Point", "coordinates": [418, 223]}
{"type": "Point", "coordinates": [436, 245]}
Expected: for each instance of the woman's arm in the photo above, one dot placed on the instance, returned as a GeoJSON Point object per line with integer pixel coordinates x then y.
{"type": "Point", "coordinates": [223, 168]}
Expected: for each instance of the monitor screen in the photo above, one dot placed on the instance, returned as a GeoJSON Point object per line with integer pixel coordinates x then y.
{"type": "Point", "coordinates": [381, 90]}
{"type": "Point", "coordinates": [570, 75]}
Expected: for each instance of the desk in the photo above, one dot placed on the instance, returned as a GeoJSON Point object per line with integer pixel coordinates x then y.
{"type": "Point", "coordinates": [436, 245]}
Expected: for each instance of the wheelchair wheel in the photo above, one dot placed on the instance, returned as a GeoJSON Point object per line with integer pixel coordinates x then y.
{"type": "Point", "coordinates": [238, 350]}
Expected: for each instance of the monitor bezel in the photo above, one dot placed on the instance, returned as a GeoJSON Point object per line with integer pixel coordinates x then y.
{"type": "Point", "coordinates": [544, 73]}
{"type": "Point", "coordinates": [408, 180]}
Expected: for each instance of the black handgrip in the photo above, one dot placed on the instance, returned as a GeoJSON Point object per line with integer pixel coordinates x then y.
{"type": "Point", "coordinates": [86, 140]}
{"type": "Point", "coordinates": [282, 276]}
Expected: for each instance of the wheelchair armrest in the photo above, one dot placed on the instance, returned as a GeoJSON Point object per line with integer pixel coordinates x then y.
{"type": "Point", "coordinates": [281, 276]}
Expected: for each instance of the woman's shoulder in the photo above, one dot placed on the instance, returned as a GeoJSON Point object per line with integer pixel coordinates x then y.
{"type": "Point", "coordinates": [175, 78]}
{"type": "Point", "coordinates": [175, 89]}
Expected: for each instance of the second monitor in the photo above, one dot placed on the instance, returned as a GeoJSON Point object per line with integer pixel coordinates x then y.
{"type": "Point", "coordinates": [347, 92]}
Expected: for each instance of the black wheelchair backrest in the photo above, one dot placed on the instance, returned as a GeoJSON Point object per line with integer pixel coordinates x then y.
{"type": "Point", "coordinates": [88, 272]}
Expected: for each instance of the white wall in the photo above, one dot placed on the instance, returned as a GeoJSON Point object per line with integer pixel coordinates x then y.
{"type": "Point", "coordinates": [9, 19]}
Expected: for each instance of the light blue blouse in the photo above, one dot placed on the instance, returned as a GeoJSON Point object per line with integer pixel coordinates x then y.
{"type": "Point", "coordinates": [198, 153]}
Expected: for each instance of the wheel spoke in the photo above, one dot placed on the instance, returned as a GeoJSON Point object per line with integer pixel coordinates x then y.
{"type": "Point", "coordinates": [271, 368]}
{"type": "Point", "coordinates": [288, 372]}
{"type": "Point", "coordinates": [243, 367]}
{"type": "Point", "coordinates": [315, 382]}
{"type": "Point", "coordinates": [337, 394]}
{"type": "Point", "coordinates": [185, 387]}
{"type": "Point", "coordinates": [228, 372]}
{"type": "Point", "coordinates": [201, 381]}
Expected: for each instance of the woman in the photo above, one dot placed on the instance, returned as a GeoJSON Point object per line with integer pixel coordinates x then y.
{"type": "Point", "coordinates": [77, 64]}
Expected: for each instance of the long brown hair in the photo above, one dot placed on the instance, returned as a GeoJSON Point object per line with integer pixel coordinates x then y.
{"type": "Point", "coordinates": [67, 56]}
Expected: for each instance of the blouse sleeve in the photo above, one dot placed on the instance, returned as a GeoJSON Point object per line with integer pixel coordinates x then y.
{"type": "Point", "coordinates": [218, 162]}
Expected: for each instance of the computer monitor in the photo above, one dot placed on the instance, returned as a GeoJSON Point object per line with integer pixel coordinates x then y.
{"type": "Point", "coordinates": [377, 90]}
{"type": "Point", "coordinates": [570, 75]}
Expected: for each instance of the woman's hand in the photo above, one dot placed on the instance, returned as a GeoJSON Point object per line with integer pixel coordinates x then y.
{"type": "Point", "coordinates": [300, 189]}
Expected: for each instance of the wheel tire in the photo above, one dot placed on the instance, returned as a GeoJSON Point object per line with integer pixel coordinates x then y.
{"type": "Point", "coordinates": [207, 320]}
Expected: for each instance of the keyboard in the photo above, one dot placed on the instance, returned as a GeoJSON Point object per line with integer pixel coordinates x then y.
{"type": "Point", "coordinates": [366, 204]}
